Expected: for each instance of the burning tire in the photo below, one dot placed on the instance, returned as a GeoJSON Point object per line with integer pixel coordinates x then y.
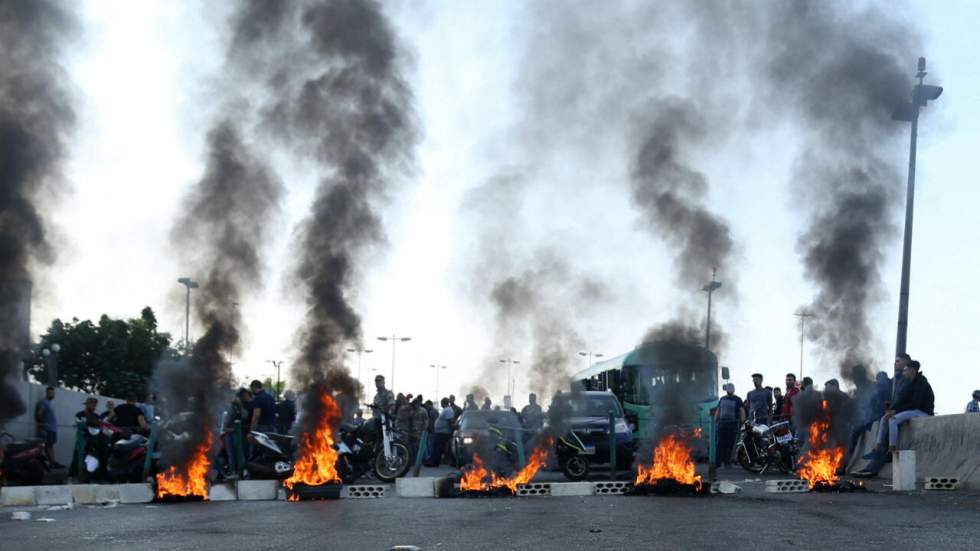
{"type": "Point", "coordinates": [575, 467]}
{"type": "Point", "coordinates": [388, 471]}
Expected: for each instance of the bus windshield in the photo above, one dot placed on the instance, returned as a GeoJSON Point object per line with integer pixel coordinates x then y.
{"type": "Point", "coordinates": [644, 384]}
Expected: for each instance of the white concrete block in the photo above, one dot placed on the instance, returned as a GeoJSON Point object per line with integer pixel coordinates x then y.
{"type": "Point", "coordinates": [572, 489]}
{"type": "Point", "coordinates": [53, 495]}
{"type": "Point", "coordinates": [257, 490]}
{"type": "Point", "coordinates": [788, 486]}
{"type": "Point", "coordinates": [415, 487]}
{"type": "Point", "coordinates": [136, 493]}
{"type": "Point", "coordinates": [941, 483]}
{"type": "Point", "coordinates": [903, 471]}
{"type": "Point", "coordinates": [18, 496]}
{"type": "Point", "coordinates": [90, 494]}
{"type": "Point", "coordinates": [611, 487]}
{"type": "Point", "coordinates": [534, 489]}
{"type": "Point", "coordinates": [363, 491]}
{"type": "Point", "coordinates": [725, 487]}
{"type": "Point", "coordinates": [223, 492]}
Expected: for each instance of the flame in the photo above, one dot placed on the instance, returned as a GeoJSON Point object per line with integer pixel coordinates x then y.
{"type": "Point", "coordinates": [478, 478]}
{"type": "Point", "coordinates": [671, 460]}
{"type": "Point", "coordinates": [317, 460]}
{"type": "Point", "coordinates": [190, 480]}
{"type": "Point", "coordinates": [820, 464]}
{"type": "Point", "coordinates": [697, 432]}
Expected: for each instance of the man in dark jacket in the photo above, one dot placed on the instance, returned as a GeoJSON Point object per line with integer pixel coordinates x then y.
{"type": "Point", "coordinates": [916, 399]}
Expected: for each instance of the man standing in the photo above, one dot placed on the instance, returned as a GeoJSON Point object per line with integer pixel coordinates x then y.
{"type": "Point", "coordinates": [47, 425]}
{"type": "Point", "coordinates": [470, 403]}
{"type": "Point", "coordinates": [384, 399]}
{"type": "Point", "coordinates": [759, 402]}
{"type": "Point", "coordinates": [443, 432]}
{"type": "Point", "coordinates": [129, 416]}
{"type": "Point", "coordinates": [728, 415]}
{"type": "Point", "coordinates": [457, 411]}
{"type": "Point", "coordinates": [88, 414]}
{"type": "Point", "coordinates": [487, 404]}
{"type": "Point", "coordinates": [791, 390]}
{"type": "Point", "coordinates": [263, 409]}
{"type": "Point", "coordinates": [108, 415]}
{"type": "Point", "coordinates": [286, 412]}
{"type": "Point", "coordinates": [532, 416]}
{"type": "Point", "coordinates": [777, 396]}
{"type": "Point", "coordinates": [973, 406]}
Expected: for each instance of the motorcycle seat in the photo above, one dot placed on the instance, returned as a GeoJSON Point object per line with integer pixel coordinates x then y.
{"type": "Point", "coordinates": [19, 446]}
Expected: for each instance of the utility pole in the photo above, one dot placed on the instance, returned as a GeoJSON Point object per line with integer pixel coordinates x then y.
{"type": "Point", "coordinates": [710, 288]}
{"type": "Point", "coordinates": [277, 364]}
{"type": "Point", "coordinates": [803, 315]}
{"type": "Point", "coordinates": [909, 112]}
{"type": "Point", "coordinates": [437, 368]}
{"type": "Point", "coordinates": [394, 338]}
{"type": "Point", "coordinates": [190, 284]}
{"type": "Point", "coordinates": [510, 377]}
{"type": "Point", "coordinates": [359, 351]}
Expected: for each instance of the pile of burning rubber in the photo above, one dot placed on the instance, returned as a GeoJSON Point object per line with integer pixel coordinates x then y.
{"type": "Point", "coordinates": [479, 481]}
{"type": "Point", "coordinates": [823, 459]}
{"type": "Point", "coordinates": [671, 472]}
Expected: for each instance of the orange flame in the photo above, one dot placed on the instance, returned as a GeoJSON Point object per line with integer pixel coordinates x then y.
{"type": "Point", "coordinates": [820, 464]}
{"type": "Point", "coordinates": [317, 460]}
{"type": "Point", "coordinates": [475, 477]}
{"type": "Point", "coordinates": [672, 461]}
{"type": "Point", "coordinates": [190, 480]}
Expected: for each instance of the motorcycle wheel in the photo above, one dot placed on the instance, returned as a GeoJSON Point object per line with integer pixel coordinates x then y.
{"type": "Point", "coordinates": [747, 463]}
{"type": "Point", "coordinates": [575, 467]}
{"type": "Point", "coordinates": [388, 471]}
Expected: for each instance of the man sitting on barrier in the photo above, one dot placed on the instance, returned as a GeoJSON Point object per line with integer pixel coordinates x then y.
{"type": "Point", "coordinates": [973, 406]}
{"type": "Point", "coordinates": [915, 400]}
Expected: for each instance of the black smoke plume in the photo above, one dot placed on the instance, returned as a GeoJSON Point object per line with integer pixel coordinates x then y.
{"type": "Point", "coordinates": [841, 72]}
{"type": "Point", "coordinates": [841, 412]}
{"type": "Point", "coordinates": [36, 117]}
{"type": "Point", "coordinates": [224, 223]}
{"type": "Point", "coordinates": [340, 98]}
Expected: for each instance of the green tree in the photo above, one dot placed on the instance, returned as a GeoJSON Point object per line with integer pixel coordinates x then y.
{"type": "Point", "coordinates": [114, 357]}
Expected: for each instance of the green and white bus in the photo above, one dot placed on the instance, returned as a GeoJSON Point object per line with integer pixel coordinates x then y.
{"type": "Point", "coordinates": [659, 373]}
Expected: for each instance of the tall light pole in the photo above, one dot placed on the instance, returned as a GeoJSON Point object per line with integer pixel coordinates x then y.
{"type": "Point", "coordinates": [590, 354]}
{"type": "Point", "coordinates": [909, 112]}
{"type": "Point", "coordinates": [359, 351]}
{"type": "Point", "coordinates": [190, 284]}
{"type": "Point", "coordinates": [393, 338]}
{"type": "Point", "coordinates": [803, 315]}
{"type": "Point", "coordinates": [277, 364]}
{"type": "Point", "coordinates": [510, 377]}
{"type": "Point", "coordinates": [438, 368]}
{"type": "Point", "coordinates": [51, 362]}
{"type": "Point", "coordinates": [710, 288]}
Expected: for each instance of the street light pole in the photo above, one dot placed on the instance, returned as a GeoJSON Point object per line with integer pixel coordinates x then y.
{"type": "Point", "coordinates": [190, 284]}
{"type": "Point", "coordinates": [359, 351]}
{"type": "Point", "coordinates": [437, 368]}
{"type": "Point", "coordinates": [803, 315]}
{"type": "Point", "coordinates": [510, 377]}
{"type": "Point", "coordinates": [710, 288]}
{"type": "Point", "coordinates": [277, 364]}
{"type": "Point", "coordinates": [909, 112]}
{"type": "Point", "coordinates": [393, 339]}
{"type": "Point", "coordinates": [590, 355]}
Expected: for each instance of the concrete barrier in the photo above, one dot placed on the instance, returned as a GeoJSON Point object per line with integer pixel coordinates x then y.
{"type": "Point", "coordinates": [136, 493]}
{"type": "Point", "coordinates": [91, 494]}
{"type": "Point", "coordinates": [223, 492]}
{"type": "Point", "coordinates": [257, 490]}
{"type": "Point", "coordinates": [945, 445]}
{"type": "Point", "coordinates": [415, 487]}
{"type": "Point", "coordinates": [18, 496]}
{"type": "Point", "coordinates": [53, 495]}
{"type": "Point", "coordinates": [560, 489]}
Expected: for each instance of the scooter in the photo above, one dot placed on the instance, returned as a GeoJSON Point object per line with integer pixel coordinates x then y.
{"type": "Point", "coordinates": [271, 457]}
{"type": "Point", "coordinates": [127, 459]}
{"type": "Point", "coordinates": [22, 461]}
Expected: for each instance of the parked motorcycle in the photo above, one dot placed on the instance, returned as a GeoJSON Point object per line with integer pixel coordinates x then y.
{"type": "Point", "coordinates": [22, 461]}
{"type": "Point", "coordinates": [271, 457]}
{"type": "Point", "coordinates": [127, 459]}
{"type": "Point", "coordinates": [760, 447]}
{"type": "Point", "coordinates": [371, 446]}
{"type": "Point", "coordinates": [574, 457]}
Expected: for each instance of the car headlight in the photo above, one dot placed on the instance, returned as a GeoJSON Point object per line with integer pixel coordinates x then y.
{"type": "Point", "coordinates": [621, 426]}
{"type": "Point", "coordinates": [467, 440]}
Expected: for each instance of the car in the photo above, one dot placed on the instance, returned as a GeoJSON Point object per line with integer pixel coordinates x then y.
{"type": "Point", "coordinates": [588, 441]}
{"type": "Point", "coordinates": [486, 432]}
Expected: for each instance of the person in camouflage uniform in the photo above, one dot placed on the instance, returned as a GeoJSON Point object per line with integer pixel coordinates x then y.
{"type": "Point", "coordinates": [383, 398]}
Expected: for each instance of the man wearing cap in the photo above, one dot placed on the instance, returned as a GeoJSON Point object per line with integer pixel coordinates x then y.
{"type": "Point", "coordinates": [729, 413]}
{"type": "Point", "coordinates": [759, 401]}
{"type": "Point", "coordinates": [384, 399]}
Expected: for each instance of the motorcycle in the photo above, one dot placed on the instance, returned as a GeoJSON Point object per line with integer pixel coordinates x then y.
{"type": "Point", "coordinates": [760, 447]}
{"type": "Point", "coordinates": [371, 446]}
{"type": "Point", "coordinates": [99, 440]}
{"type": "Point", "coordinates": [127, 459]}
{"type": "Point", "coordinates": [573, 456]}
{"type": "Point", "coordinates": [271, 457]}
{"type": "Point", "coordinates": [22, 461]}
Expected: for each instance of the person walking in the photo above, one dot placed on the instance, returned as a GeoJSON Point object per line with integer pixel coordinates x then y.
{"type": "Point", "coordinates": [47, 425]}
{"type": "Point", "coordinates": [728, 416]}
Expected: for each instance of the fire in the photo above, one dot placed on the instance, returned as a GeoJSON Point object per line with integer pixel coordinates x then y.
{"type": "Point", "coordinates": [316, 464]}
{"type": "Point", "coordinates": [190, 480]}
{"type": "Point", "coordinates": [672, 461]}
{"type": "Point", "coordinates": [478, 478]}
{"type": "Point", "coordinates": [820, 464]}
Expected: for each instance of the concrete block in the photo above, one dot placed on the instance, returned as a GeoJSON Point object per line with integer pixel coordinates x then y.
{"type": "Point", "coordinates": [534, 489]}
{"type": "Point", "coordinates": [18, 496]}
{"type": "Point", "coordinates": [788, 486]}
{"type": "Point", "coordinates": [53, 495]}
{"type": "Point", "coordinates": [91, 494]}
{"type": "Point", "coordinates": [136, 493]}
{"type": "Point", "coordinates": [364, 491]}
{"type": "Point", "coordinates": [725, 487]}
{"type": "Point", "coordinates": [611, 487]}
{"type": "Point", "coordinates": [415, 487]}
{"type": "Point", "coordinates": [281, 494]}
{"type": "Point", "coordinates": [257, 490]}
{"type": "Point", "coordinates": [223, 492]}
{"type": "Point", "coordinates": [903, 471]}
{"type": "Point", "coordinates": [443, 486]}
{"type": "Point", "coordinates": [560, 489]}
{"type": "Point", "coordinates": [941, 483]}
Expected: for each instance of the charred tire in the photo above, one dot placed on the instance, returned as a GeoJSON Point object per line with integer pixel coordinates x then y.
{"type": "Point", "coordinates": [575, 467]}
{"type": "Point", "coordinates": [746, 463]}
{"type": "Point", "coordinates": [386, 471]}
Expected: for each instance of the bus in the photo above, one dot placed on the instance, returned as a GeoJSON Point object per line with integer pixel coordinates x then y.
{"type": "Point", "coordinates": [655, 376]}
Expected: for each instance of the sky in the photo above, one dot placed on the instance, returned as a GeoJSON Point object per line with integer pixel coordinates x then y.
{"type": "Point", "coordinates": [144, 77]}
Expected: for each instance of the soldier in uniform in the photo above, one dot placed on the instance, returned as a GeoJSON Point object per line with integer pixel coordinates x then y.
{"type": "Point", "coordinates": [384, 399]}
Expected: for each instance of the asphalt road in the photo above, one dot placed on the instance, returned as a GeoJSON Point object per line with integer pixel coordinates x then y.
{"type": "Point", "coordinates": [751, 520]}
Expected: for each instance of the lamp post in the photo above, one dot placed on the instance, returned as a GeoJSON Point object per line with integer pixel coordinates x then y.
{"type": "Point", "coordinates": [710, 288]}
{"type": "Point", "coordinates": [590, 354]}
{"type": "Point", "coordinates": [803, 315]}
{"type": "Point", "coordinates": [438, 368]}
{"type": "Point", "coordinates": [51, 362]}
{"type": "Point", "coordinates": [393, 338]}
{"type": "Point", "coordinates": [277, 364]}
{"type": "Point", "coordinates": [909, 112]}
{"type": "Point", "coordinates": [359, 351]}
{"type": "Point", "coordinates": [510, 377]}
{"type": "Point", "coordinates": [190, 284]}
